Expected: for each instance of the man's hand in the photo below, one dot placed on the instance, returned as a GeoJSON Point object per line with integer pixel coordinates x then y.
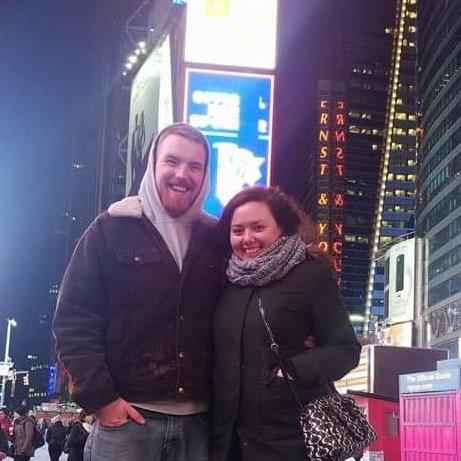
{"type": "Point", "coordinates": [118, 413]}
{"type": "Point", "coordinates": [2, 455]}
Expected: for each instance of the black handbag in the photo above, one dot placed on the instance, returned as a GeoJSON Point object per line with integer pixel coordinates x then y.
{"type": "Point", "coordinates": [333, 426]}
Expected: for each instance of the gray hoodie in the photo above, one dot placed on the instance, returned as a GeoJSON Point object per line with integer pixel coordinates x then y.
{"type": "Point", "coordinates": [174, 231]}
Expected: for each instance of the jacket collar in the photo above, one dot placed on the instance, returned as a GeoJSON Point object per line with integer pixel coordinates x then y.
{"type": "Point", "coordinates": [129, 207]}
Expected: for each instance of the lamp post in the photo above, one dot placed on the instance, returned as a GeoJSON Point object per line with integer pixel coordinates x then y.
{"type": "Point", "coordinates": [11, 324]}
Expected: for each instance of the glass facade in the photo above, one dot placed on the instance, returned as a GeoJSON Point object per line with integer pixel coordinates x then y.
{"type": "Point", "coordinates": [395, 204]}
{"type": "Point", "coordinates": [439, 180]}
{"type": "Point", "coordinates": [362, 42]}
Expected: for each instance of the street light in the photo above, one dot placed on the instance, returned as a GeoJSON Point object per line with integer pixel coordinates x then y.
{"type": "Point", "coordinates": [7, 361]}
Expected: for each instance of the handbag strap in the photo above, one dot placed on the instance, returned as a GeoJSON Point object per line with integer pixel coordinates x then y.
{"type": "Point", "coordinates": [276, 350]}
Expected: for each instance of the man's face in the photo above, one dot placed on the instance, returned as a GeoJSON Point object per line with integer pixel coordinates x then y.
{"type": "Point", "coordinates": [179, 173]}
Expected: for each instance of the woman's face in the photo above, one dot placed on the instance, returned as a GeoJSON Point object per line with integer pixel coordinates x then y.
{"type": "Point", "coordinates": [253, 229]}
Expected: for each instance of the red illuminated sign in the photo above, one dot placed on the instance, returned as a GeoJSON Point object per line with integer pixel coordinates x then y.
{"type": "Point", "coordinates": [331, 173]}
{"type": "Point", "coordinates": [340, 135]}
{"type": "Point", "coordinates": [338, 200]}
{"type": "Point", "coordinates": [340, 119]}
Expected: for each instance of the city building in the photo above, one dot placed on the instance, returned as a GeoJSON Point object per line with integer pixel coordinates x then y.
{"type": "Point", "coordinates": [395, 204]}
{"type": "Point", "coordinates": [353, 71]}
{"type": "Point", "coordinates": [438, 219]}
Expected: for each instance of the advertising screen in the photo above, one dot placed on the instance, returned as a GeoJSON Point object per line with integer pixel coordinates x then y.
{"type": "Point", "coordinates": [234, 112]}
{"type": "Point", "coordinates": [243, 32]}
{"type": "Point", "coordinates": [151, 108]}
{"type": "Point", "coordinates": [401, 281]}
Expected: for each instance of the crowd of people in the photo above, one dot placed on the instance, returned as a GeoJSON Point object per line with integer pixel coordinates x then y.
{"type": "Point", "coordinates": [22, 434]}
{"type": "Point", "coordinates": [163, 313]}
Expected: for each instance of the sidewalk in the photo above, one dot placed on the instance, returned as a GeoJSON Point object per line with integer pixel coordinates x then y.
{"type": "Point", "coordinates": [42, 455]}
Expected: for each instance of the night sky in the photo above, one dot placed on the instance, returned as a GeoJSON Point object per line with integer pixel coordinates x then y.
{"type": "Point", "coordinates": [48, 84]}
{"type": "Point", "coordinates": [45, 55]}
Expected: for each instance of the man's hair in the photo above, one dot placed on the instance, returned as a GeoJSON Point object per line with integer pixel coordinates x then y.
{"type": "Point", "coordinates": [22, 411]}
{"type": "Point", "coordinates": [186, 131]}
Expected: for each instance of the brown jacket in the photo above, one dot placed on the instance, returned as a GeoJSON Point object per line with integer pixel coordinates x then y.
{"type": "Point", "coordinates": [128, 323]}
{"type": "Point", "coordinates": [23, 436]}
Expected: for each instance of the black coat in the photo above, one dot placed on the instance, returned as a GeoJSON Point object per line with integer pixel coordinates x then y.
{"type": "Point", "coordinates": [247, 392]}
{"type": "Point", "coordinates": [128, 323]}
{"type": "Point", "coordinates": [3, 443]}
{"type": "Point", "coordinates": [76, 442]}
{"type": "Point", "coordinates": [55, 435]}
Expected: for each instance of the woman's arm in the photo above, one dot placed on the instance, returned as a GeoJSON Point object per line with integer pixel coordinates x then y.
{"type": "Point", "coordinates": [337, 349]}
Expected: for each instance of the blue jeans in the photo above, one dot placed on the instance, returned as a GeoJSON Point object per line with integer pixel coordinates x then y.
{"type": "Point", "coordinates": [162, 438]}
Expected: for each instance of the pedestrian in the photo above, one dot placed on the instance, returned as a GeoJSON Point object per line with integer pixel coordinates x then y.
{"type": "Point", "coordinates": [55, 436]}
{"type": "Point", "coordinates": [5, 422]}
{"type": "Point", "coordinates": [4, 448]}
{"type": "Point", "coordinates": [77, 437]}
{"type": "Point", "coordinates": [132, 322]}
{"type": "Point", "coordinates": [23, 435]}
{"type": "Point", "coordinates": [255, 415]}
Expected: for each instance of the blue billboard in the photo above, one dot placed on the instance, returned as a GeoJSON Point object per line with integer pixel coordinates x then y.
{"type": "Point", "coordinates": [234, 111]}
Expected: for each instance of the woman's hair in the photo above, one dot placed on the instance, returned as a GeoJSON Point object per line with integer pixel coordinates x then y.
{"type": "Point", "coordinates": [286, 212]}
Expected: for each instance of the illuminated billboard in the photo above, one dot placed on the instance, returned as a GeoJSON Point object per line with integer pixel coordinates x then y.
{"type": "Point", "coordinates": [151, 109]}
{"type": "Point", "coordinates": [234, 111]}
{"type": "Point", "coordinates": [232, 33]}
{"type": "Point", "coordinates": [401, 281]}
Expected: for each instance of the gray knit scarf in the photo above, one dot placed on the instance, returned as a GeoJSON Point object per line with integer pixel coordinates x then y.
{"type": "Point", "coordinates": [273, 264]}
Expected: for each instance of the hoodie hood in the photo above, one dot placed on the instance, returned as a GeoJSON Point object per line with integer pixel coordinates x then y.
{"type": "Point", "coordinates": [176, 232]}
{"type": "Point", "coordinates": [149, 196]}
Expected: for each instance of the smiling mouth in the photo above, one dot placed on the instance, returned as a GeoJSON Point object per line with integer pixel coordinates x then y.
{"type": "Point", "coordinates": [180, 189]}
{"type": "Point", "coordinates": [251, 251]}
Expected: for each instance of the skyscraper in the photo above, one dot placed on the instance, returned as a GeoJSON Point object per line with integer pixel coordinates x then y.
{"type": "Point", "coordinates": [439, 176]}
{"type": "Point", "coordinates": [395, 204]}
{"type": "Point", "coordinates": [353, 71]}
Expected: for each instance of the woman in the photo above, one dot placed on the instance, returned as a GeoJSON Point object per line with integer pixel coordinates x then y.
{"type": "Point", "coordinates": [5, 423]}
{"type": "Point", "coordinates": [77, 437]}
{"type": "Point", "coordinates": [254, 409]}
{"type": "Point", "coordinates": [55, 436]}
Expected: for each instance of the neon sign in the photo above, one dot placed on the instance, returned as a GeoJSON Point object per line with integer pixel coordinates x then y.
{"type": "Point", "coordinates": [331, 173]}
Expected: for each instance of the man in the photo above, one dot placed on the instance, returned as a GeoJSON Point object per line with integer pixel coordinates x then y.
{"type": "Point", "coordinates": [133, 314]}
{"type": "Point", "coordinates": [23, 435]}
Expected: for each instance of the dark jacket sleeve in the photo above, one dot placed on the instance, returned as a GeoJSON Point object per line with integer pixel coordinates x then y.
{"type": "Point", "coordinates": [3, 442]}
{"type": "Point", "coordinates": [337, 351]}
{"type": "Point", "coordinates": [79, 322]}
{"type": "Point", "coordinates": [77, 436]}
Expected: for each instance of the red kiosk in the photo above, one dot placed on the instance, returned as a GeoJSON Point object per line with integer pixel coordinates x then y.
{"type": "Point", "coordinates": [383, 414]}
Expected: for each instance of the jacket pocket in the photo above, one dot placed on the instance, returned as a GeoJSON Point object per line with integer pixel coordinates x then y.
{"type": "Point", "coordinates": [279, 409]}
{"type": "Point", "coordinates": [137, 268]}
